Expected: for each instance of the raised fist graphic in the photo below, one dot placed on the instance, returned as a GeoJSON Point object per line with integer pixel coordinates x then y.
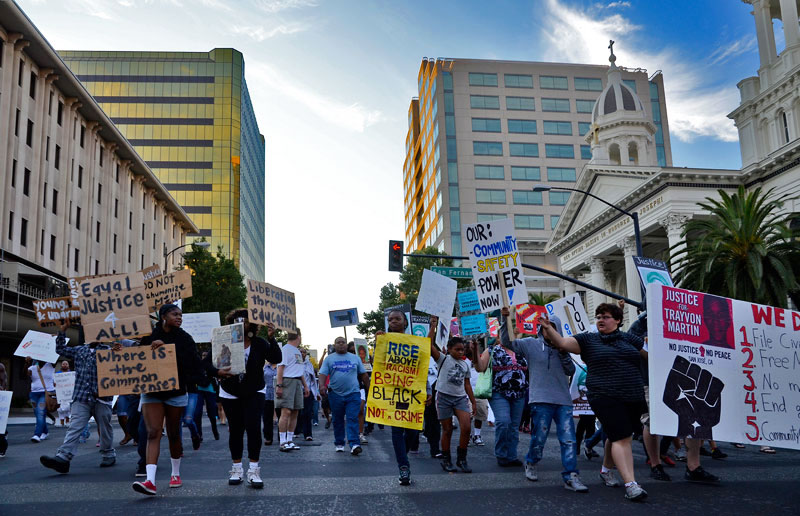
{"type": "Point", "coordinates": [695, 395]}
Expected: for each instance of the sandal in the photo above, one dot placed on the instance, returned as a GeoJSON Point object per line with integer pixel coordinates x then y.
{"type": "Point", "coordinates": [738, 445]}
{"type": "Point", "coordinates": [767, 449]}
{"type": "Point", "coordinates": [125, 441]}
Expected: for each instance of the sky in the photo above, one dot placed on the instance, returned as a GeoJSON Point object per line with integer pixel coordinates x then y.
{"type": "Point", "coordinates": [331, 83]}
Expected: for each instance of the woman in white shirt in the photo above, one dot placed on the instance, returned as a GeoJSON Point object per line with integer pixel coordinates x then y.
{"type": "Point", "coordinates": [38, 371]}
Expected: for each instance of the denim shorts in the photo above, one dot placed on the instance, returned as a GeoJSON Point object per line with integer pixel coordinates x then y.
{"type": "Point", "coordinates": [181, 400]}
{"type": "Point", "coordinates": [446, 405]}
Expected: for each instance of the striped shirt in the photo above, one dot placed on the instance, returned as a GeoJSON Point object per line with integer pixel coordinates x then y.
{"type": "Point", "coordinates": [612, 365]}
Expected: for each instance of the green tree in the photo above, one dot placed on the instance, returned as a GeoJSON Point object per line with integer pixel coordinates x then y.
{"type": "Point", "coordinates": [540, 298]}
{"type": "Point", "coordinates": [373, 321]}
{"type": "Point", "coordinates": [217, 285]}
{"type": "Point", "coordinates": [744, 250]}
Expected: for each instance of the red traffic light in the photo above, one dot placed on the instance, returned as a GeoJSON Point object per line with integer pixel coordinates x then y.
{"type": "Point", "coordinates": [397, 247]}
{"type": "Point", "coordinates": [396, 255]}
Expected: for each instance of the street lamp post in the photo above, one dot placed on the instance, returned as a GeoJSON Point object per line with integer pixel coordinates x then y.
{"type": "Point", "coordinates": [202, 244]}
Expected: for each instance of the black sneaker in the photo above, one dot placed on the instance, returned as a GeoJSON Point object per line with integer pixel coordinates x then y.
{"type": "Point", "coordinates": [701, 476]}
{"type": "Point", "coordinates": [55, 463]}
{"type": "Point", "coordinates": [658, 473]}
{"type": "Point", "coordinates": [327, 425]}
{"type": "Point", "coordinates": [196, 440]}
{"type": "Point", "coordinates": [107, 462]}
{"type": "Point", "coordinates": [716, 453]}
{"type": "Point", "coordinates": [141, 471]}
{"type": "Point", "coordinates": [405, 476]}
{"type": "Point", "coordinates": [704, 452]}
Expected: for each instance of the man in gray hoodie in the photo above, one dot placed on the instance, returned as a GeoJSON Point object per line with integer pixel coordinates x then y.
{"type": "Point", "coordinates": [550, 400]}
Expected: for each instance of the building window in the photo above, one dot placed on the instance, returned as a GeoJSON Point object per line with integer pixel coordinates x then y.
{"type": "Point", "coordinates": [11, 225]}
{"type": "Point", "coordinates": [518, 81]}
{"type": "Point", "coordinates": [16, 124]}
{"type": "Point", "coordinates": [21, 71]}
{"type": "Point", "coordinates": [554, 127]}
{"type": "Point", "coordinates": [97, 232]}
{"type": "Point", "coordinates": [55, 201]}
{"type": "Point", "coordinates": [41, 244]}
{"type": "Point", "coordinates": [785, 126]}
{"type": "Point", "coordinates": [630, 83]}
{"type": "Point", "coordinates": [560, 174]}
{"type": "Point", "coordinates": [555, 105]}
{"type": "Point", "coordinates": [26, 183]}
{"type": "Point", "coordinates": [47, 150]}
{"type": "Point", "coordinates": [557, 150]}
{"type": "Point", "coordinates": [484, 102]}
{"type": "Point", "coordinates": [130, 221]}
{"type": "Point", "coordinates": [32, 86]}
{"type": "Point", "coordinates": [449, 103]}
{"type": "Point", "coordinates": [486, 125]}
{"type": "Point", "coordinates": [586, 152]}
{"type": "Point", "coordinates": [526, 150]}
{"type": "Point", "coordinates": [482, 79]}
{"type": "Point", "coordinates": [487, 148]}
{"type": "Point", "coordinates": [488, 217]}
{"type": "Point", "coordinates": [83, 134]}
{"type": "Point", "coordinates": [59, 115]}
{"type": "Point", "coordinates": [550, 82]}
{"type": "Point", "coordinates": [116, 175]}
{"type": "Point", "coordinates": [80, 176]}
{"type": "Point", "coordinates": [29, 136]}
{"type": "Point", "coordinates": [529, 221]}
{"type": "Point", "coordinates": [489, 172]}
{"type": "Point", "coordinates": [129, 253]}
{"type": "Point", "coordinates": [14, 174]}
{"type": "Point", "coordinates": [588, 84]}
{"type": "Point", "coordinates": [520, 104]}
{"type": "Point", "coordinates": [23, 232]}
{"type": "Point", "coordinates": [114, 246]}
{"type": "Point", "coordinates": [97, 266]}
{"type": "Point", "coordinates": [44, 196]}
{"type": "Point", "coordinates": [52, 247]}
{"type": "Point", "coordinates": [527, 197]}
{"type": "Point", "coordinates": [553, 221]}
{"type": "Point", "coordinates": [58, 157]}
{"type": "Point", "coordinates": [522, 126]}
{"type": "Point", "coordinates": [142, 231]}
{"type": "Point", "coordinates": [116, 208]}
{"type": "Point", "coordinates": [99, 193]}
{"type": "Point", "coordinates": [77, 258]}
{"type": "Point", "coordinates": [525, 173]}
{"type": "Point", "coordinates": [490, 196]}
{"type": "Point", "coordinates": [77, 217]}
{"type": "Point", "coordinates": [584, 106]}
{"type": "Point", "coordinates": [102, 152]}
{"type": "Point", "coordinates": [583, 128]}
{"type": "Point", "coordinates": [558, 198]}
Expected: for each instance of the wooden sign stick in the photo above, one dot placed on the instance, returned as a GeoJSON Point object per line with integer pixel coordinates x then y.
{"type": "Point", "coordinates": [510, 322]}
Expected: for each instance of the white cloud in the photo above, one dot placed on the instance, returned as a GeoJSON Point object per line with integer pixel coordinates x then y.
{"type": "Point", "coordinates": [276, 6]}
{"type": "Point", "coordinates": [353, 116]}
{"type": "Point", "coordinates": [618, 4]}
{"type": "Point", "coordinates": [727, 51]}
{"type": "Point", "coordinates": [259, 33]}
{"type": "Point", "coordinates": [695, 106]}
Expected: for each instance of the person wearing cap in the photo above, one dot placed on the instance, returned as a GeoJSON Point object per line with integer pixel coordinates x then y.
{"type": "Point", "coordinates": [168, 406]}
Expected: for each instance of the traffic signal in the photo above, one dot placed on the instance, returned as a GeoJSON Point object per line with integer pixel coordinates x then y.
{"type": "Point", "coordinates": [396, 255]}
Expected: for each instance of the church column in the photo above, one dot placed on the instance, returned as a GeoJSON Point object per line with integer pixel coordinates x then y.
{"type": "Point", "coordinates": [598, 279]}
{"type": "Point", "coordinates": [632, 282]}
{"type": "Point", "coordinates": [791, 30]}
{"type": "Point", "coordinates": [764, 33]}
{"type": "Point", "coordinates": [673, 223]}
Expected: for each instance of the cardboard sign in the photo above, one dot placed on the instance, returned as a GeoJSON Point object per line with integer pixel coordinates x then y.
{"type": "Point", "coordinates": [135, 370]}
{"type": "Point", "coordinates": [474, 325]}
{"type": "Point", "coordinates": [653, 271]}
{"type": "Point", "coordinates": [227, 348]}
{"type": "Point", "coordinates": [199, 325]}
{"type": "Point", "coordinates": [347, 317]}
{"type": "Point", "coordinates": [577, 389]}
{"type": "Point", "coordinates": [38, 346]}
{"type": "Point", "coordinates": [406, 309]}
{"type": "Point", "coordinates": [723, 369]}
{"type": "Point", "coordinates": [436, 295]}
{"type": "Point", "coordinates": [65, 385]}
{"type": "Point", "coordinates": [570, 310]}
{"type": "Point", "coordinates": [151, 272]}
{"type": "Point", "coordinates": [496, 264]}
{"type": "Point", "coordinates": [362, 351]}
{"type": "Point", "coordinates": [114, 307]}
{"type": "Point", "coordinates": [267, 303]}
{"type": "Point", "coordinates": [397, 390]}
{"type": "Point", "coordinates": [169, 288]}
{"type": "Point", "coordinates": [420, 325]}
{"type": "Point", "coordinates": [50, 312]}
{"type": "Point", "coordinates": [527, 318]}
{"type": "Point", "coordinates": [5, 407]}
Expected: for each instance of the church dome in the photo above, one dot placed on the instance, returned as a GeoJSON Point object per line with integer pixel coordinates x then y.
{"type": "Point", "coordinates": [617, 97]}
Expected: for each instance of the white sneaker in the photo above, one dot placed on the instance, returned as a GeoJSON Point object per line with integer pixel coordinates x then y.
{"type": "Point", "coordinates": [609, 478]}
{"type": "Point", "coordinates": [530, 472]}
{"type": "Point", "coordinates": [477, 440]}
{"type": "Point", "coordinates": [355, 450]}
{"type": "Point", "coordinates": [43, 437]}
{"type": "Point", "coordinates": [362, 438]}
{"type": "Point", "coordinates": [339, 447]}
{"type": "Point", "coordinates": [236, 477]}
{"type": "Point", "coordinates": [254, 478]}
{"type": "Point", "coordinates": [292, 446]}
{"type": "Point", "coordinates": [36, 439]}
{"type": "Point", "coordinates": [574, 484]}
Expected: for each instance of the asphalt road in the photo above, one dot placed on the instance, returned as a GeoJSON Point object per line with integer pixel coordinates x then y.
{"type": "Point", "coordinates": [316, 480]}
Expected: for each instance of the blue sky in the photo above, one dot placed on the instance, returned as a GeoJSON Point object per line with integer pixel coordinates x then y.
{"type": "Point", "coordinates": [331, 83]}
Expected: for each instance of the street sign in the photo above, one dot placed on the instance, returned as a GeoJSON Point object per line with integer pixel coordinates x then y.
{"type": "Point", "coordinates": [453, 272]}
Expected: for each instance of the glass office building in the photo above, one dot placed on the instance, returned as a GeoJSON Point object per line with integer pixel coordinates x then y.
{"type": "Point", "coordinates": [189, 115]}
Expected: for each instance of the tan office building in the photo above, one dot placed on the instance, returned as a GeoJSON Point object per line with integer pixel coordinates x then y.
{"type": "Point", "coordinates": [483, 133]}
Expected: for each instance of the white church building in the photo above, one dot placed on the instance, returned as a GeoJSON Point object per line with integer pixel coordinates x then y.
{"type": "Point", "coordinates": [595, 242]}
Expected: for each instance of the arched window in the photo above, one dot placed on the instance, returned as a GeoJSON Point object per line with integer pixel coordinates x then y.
{"type": "Point", "coordinates": [613, 154]}
{"type": "Point", "coordinates": [633, 153]}
{"type": "Point", "coordinates": [783, 122]}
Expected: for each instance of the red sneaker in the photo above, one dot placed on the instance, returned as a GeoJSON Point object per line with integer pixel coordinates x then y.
{"type": "Point", "coordinates": [666, 459]}
{"type": "Point", "coordinates": [145, 487]}
{"type": "Point", "coordinates": [175, 481]}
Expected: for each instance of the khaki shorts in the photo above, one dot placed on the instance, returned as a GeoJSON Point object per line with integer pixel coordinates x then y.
{"type": "Point", "coordinates": [481, 409]}
{"type": "Point", "coordinates": [645, 418]}
{"type": "Point", "coordinates": [292, 395]}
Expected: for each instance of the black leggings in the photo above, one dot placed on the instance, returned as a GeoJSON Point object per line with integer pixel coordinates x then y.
{"type": "Point", "coordinates": [584, 429]}
{"type": "Point", "coordinates": [244, 414]}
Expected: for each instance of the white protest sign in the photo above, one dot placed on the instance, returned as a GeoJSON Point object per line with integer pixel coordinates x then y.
{"type": "Point", "coordinates": [65, 385]}
{"type": "Point", "coordinates": [38, 346]}
{"type": "Point", "coordinates": [572, 314]}
{"type": "Point", "coordinates": [495, 258]}
{"type": "Point", "coordinates": [5, 407]}
{"type": "Point", "coordinates": [437, 294]}
{"type": "Point", "coordinates": [199, 325]}
{"type": "Point", "coordinates": [723, 369]}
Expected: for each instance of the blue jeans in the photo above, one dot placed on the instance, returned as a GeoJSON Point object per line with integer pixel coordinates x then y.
{"type": "Point", "coordinates": [399, 438]}
{"type": "Point", "coordinates": [543, 415]}
{"type": "Point", "coordinates": [81, 412]}
{"type": "Point", "coordinates": [315, 412]}
{"type": "Point", "coordinates": [188, 414]}
{"type": "Point", "coordinates": [345, 408]}
{"type": "Point", "coordinates": [37, 399]}
{"type": "Point", "coordinates": [507, 415]}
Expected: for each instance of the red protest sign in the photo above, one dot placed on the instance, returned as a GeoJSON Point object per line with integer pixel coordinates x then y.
{"type": "Point", "coordinates": [527, 318]}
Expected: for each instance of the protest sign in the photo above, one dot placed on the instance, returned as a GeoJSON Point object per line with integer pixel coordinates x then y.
{"type": "Point", "coordinates": [199, 325]}
{"type": "Point", "coordinates": [723, 369]}
{"type": "Point", "coordinates": [494, 327]}
{"type": "Point", "coordinates": [468, 301]}
{"type": "Point", "coordinates": [227, 348]}
{"type": "Point", "coordinates": [50, 312]}
{"type": "Point", "coordinates": [169, 288]}
{"type": "Point", "coordinates": [38, 346]}
{"type": "Point", "coordinates": [267, 303]}
{"type": "Point", "coordinates": [527, 318]}
{"type": "Point", "coordinates": [496, 264]}
{"type": "Point", "coordinates": [362, 352]}
{"type": "Point", "coordinates": [151, 272]}
{"type": "Point", "coordinates": [420, 325]}
{"type": "Point", "coordinates": [472, 322]}
{"type": "Point", "coordinates": [65, 385]}
{"type": "Point", "coordinates": [436, 295]}
{"type": "Point", "coordinates": [347, 317]}
{"type": "Point", "coordinates": [572, 314]}
{"type": "Point", "coordinates": [405, 308]}
{"type": "Point", "coordinates": [114, 307]}
{"type": "Point", "coordinates": [397, 390]}
{"type": "Point", "coordinates": [577, 389]}
{"type": "Point", "coordinates": [652, 271]}
{"type": "Point", "coordinates": [5, 407]}
{"type": "Point", "coordinates": [134, 370]}
{"type": "Point", "coordinates": [474, 325]}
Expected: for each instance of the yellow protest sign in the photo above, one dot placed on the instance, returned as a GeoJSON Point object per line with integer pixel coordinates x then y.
{"type": "Point", "coordinates": [397, 389]}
